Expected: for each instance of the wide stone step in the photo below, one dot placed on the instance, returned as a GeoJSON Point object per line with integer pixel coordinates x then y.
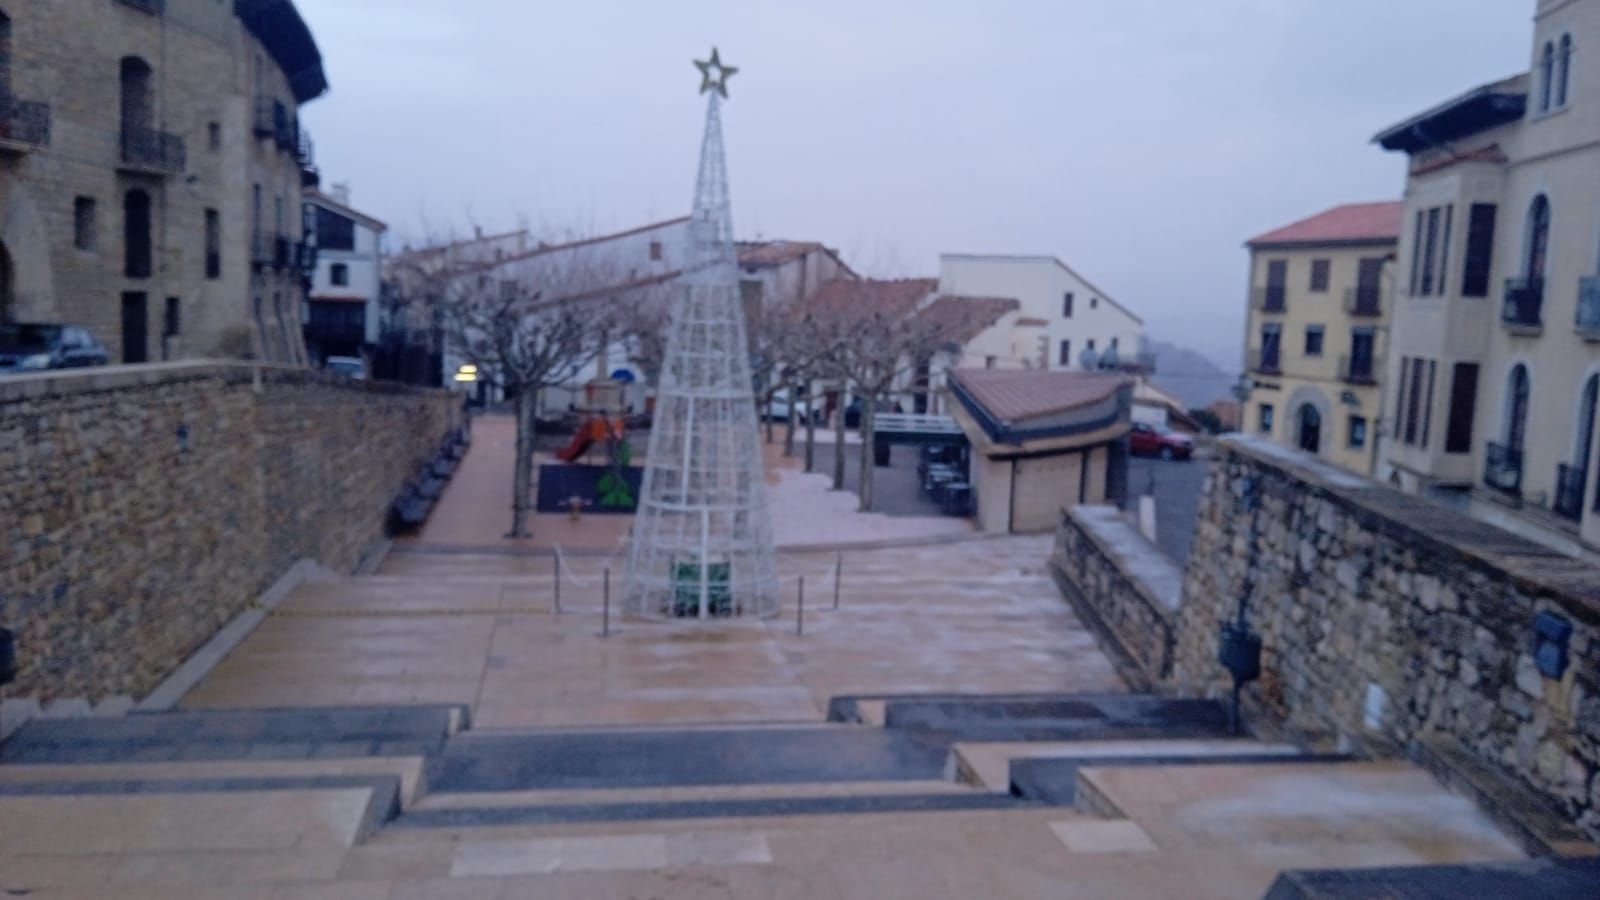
{"type": "Point", "coordinates": [279, 733]}
{"type": "Point", "coordinates": [1045, 717]}
{"type": "Point", "coordinates": [482, 761]}
{"type": "Point", "coordinates": [608, 796]}
{"type": "Point", "coordinates": [991, 765]}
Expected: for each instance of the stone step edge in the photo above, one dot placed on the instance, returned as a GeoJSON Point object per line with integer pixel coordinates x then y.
{"type": "Point", "coordinates": [490, 817]}
{"type": "Point", "coordinates": [556, 797]}
{"type": "Point", "coordinates": [383, 798]}
{"type": "Point", "coordinates": [1540, 829]}
{"type": "Point", "coordinates": [19, 711]}
{"type": "Point", "coordinates": [1028, 775]}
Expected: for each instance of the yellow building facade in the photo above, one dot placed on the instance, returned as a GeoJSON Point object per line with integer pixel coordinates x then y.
{"type": "Point", "coordinates": [1320, 299]}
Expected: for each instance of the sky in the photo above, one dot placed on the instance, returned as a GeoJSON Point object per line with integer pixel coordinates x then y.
{"type": "Point", "coordinates": [1140, 141]}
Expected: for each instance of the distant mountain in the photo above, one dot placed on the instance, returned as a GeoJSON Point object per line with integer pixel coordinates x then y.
{"type": "Point", "coordinates": [1188, 375]}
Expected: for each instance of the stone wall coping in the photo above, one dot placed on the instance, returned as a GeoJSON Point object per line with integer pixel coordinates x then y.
{"type": "Point", "coordinates": [1435, 529]}
{"type": "Point", "coordinates": [106, 378]}
{"type": "Point", "coordinates": [1158, 579]}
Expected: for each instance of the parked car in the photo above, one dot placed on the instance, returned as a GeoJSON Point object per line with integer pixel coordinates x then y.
{"type": "Point", "coordinates": [37, 346]}
{"type": "Point", "coordinates": [1147, 440]}
{"type": "Point", "coordinates": [779, 408]}
{"type": "Point", "coordinates": [350, 366]}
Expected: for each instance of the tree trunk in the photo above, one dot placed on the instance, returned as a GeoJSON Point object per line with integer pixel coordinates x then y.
{"type": "Point", "coordinates": [811, 439]}
{"type": "Point", "coordinates": [838, 445]}
{"type": "Point", "coordinates": [522, 475]}
{"type": "Point", "coordinates": [869, 403]}
{"type": "Point", "coordinates": [788, 426]}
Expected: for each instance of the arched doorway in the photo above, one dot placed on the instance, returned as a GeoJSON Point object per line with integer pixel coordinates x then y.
{"type": "Point", "coordinates": [1308, 428]}
{"type": "Point", "coordinates": [1538, 240]}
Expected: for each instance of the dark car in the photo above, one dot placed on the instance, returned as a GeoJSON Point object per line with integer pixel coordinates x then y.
{"type": "Point", "coordinates": [1146, 440]}
{"type": "Point", "coordinates": [36, 346]}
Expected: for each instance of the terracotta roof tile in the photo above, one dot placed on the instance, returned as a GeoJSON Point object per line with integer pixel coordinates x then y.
{"type": "Point", "coordinates": [1015, 395]}
{"type": "Point", "coordinates": [1350, 223]}
{"type": "Point", "coordinates": [963, 318]}
{"type": "Point", "coordinates": [893, 298]}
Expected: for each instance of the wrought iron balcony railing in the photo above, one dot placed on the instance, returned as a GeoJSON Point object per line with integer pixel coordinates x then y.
{"type": "Point", "coordinates": [1502, 468]}
{"type": "Point", "coordinates": [1523, 300]}
{"type": "Point", "coordinates": [1363, 301]}
{"type": "Point", "coordinates": [268, 249]}
{"type": "Point", "coordinates": [156, 152]}
{"type": "Point", "coordinates": [1265, 360]}
{"type": "Point", "coordinates": [1357, 369]}
{"type": "Point", "coordinates": [1272, 298]}
{"type": "Point", "coordinates": [1587, 321]}
{"type": "Point", "coordinates": [1570, 481]}
{"type": "Point", "coordinates": [24, 124]}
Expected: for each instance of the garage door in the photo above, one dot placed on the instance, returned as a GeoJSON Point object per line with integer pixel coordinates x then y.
{"type": "Point", "coordinates": [1040, 487]}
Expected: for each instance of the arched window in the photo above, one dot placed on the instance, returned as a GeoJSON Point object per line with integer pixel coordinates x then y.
{"type": "Point", "coordinates": [138, 105]}
{"type": "Point", "coordinates": [1538, 239]}
{"type": "Point", "coordinates": [1547, 71]}
{"type": "Point", "coordinates": [136, 234]}
{"type": "Point", "coordinates": [1563, 69]}
{"type": "Point", "coordinates": [1308, 422]}
{"type": "Point", "coordinates": [1517, 407]}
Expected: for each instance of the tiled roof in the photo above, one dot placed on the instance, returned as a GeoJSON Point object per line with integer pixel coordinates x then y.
{"type": "Point", "coordinates": [893, 298]}
{"type": "Point", "coordinates": [774, 253]}
{"type": "Point", "coordinates": [1350, 223]}
{"type": "Point", "coordinates": [963, 318]}
{"type": "Point", "coordinates": [1016, 395]}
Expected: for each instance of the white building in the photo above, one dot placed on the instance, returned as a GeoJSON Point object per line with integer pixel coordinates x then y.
{"type": "Point", "coordinates": [343, 308]}
{"type": "Point", "coordinates": [1061, 317]}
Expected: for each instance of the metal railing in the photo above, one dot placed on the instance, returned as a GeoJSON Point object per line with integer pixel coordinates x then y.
{"type": "Point", "coordinates": [1357, 369]}
{"type": "Point", "coordinates": [1587, 320]}
{"type": "Point", "coordinates": [153, 151]}
{"type": "Point", "coordinates": [1272, 298]}
{"type": "Point", "coordinates": [1502, 467]}
{"type": "Point", "coordinates": [915, 423]}
{"type": "Point", "coordinates": [1570, 481]}
{"type": "Point", "coordinates": [1523, 300]}
{"type": "Point", "coordinates": [1265, 362]}
{"type": "Point", "coordinates": [1363, 301]}
{"type": "Point", "coordinates": [269, 249]}
{"type": "Point", "coordinates": [24, 123]}
{"type": "Point", "coordinates": [305, 256]}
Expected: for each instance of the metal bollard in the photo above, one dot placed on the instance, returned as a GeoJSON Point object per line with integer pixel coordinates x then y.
{"type": "Point", "coordinates": [605, 601]}
{"type": "Point", "coordinates": [838, 572]}
{"type": "Point", "coordinates": [800, 609]}
{"type": "Point", "coordinates": [555, 575]}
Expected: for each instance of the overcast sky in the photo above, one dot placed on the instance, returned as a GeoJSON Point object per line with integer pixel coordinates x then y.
{"type": "Point", "coordinates": [1141, 141]}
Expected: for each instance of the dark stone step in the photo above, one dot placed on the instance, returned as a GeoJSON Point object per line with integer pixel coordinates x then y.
{"type": "Point", "coordinates": [277, 733]}
{"type": "Point", "coordinates": [1054, 780]}
{"type": "Point", "coordinates": [1058, 717]}
{"type": "Point", "coordinates": [1539, 879]}
{"type": "Point", "coordinates": [702, 809]}
{"type": "Point", "coordinates": [600, 759]}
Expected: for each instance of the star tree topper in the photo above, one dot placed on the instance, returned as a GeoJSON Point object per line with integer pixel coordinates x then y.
{"type": "Point", "coordinates": [714, 75]}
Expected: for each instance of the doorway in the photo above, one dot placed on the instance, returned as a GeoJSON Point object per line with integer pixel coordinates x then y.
{"type": "Point", "coordinates": [135, 327]}
{"type": "Point", "coordinates": [1310, 428]}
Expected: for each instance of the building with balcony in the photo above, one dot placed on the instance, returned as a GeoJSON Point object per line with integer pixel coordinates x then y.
{"type": "Point", "coordinates": [344, 311]}
{"type": "Point", "coordinates": [139, 195]}
{"type": "Point", "coordinates": [1320, 299]}
{"type": "Point", "coordinates": [1494, 364]}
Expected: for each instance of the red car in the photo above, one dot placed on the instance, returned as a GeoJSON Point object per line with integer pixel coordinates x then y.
{"type": "Point", "coordinates": [1145, 440]}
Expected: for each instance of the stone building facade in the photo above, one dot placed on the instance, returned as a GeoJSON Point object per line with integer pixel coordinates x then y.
{"type": "Point", "coordinates": [151, 165]}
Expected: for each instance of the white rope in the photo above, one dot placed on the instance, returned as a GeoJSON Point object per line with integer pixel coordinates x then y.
{"type": "Point", "coordinates": [561, 560]}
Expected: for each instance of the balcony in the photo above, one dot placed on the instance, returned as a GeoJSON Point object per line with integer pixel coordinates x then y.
{"type": "Point", "coordinates": [1523, 300]}
{"type": "Point", "coordinates": [1363, 302]}
{"type": "Point", "coordinates": [305, 154]}
{"type": "Point", "coordinates": [305, 255]}
{"type": "Point", "coordinates": [1357, 370]}
{"type": "Point", "coordinates": [24, 125]}
{"type": "Point", "coordinates": [1265, 361]}
{"type": "Point", "coordinates": [268, 249]}
{"type": "Point", "coordinates": [151, 152]}
{"type": "Point", "coordinates": [1568, 501]}
{"type": "Point", "coordinates": [1270, 299]}
{"type": "Point", "coordinates": [1587, 321]}
{"type": "Point", "coordinates": [1502, 468]}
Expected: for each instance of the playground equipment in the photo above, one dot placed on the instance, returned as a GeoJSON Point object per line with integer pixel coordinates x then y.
{"type": "Point", "coordinates": [592, 429]}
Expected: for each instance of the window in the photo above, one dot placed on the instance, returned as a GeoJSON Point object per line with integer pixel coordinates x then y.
{"type": "Point", "coordinates": [1066, 305]}
{"type": "Point", "coordinates": [1538, 239]}
{"type": "Point", "coordinates": [5, 55]}
{"type": "Point", "coordinates": [1516, 407]}
{"type": "Point", "coordinates": [339, 274]}
{"type": "Point", "coordinates": [213, 244]}
{"type": "Point", "coordinates": [1400, 396]}
{"type": "Point", "coordinates": [335, 232]}
{"type": "Point", "coordinates": [1094, 302]}
{"type": "Point", "coordinates": [1362, 356]}
{"type": "Point", "coordinates": [1429, 246]}
{"type": "Point", "coordinates": [1319, 275]}
{"type": "Point", "coordinates": [1463, 404]}
{"type": "Point", "coordinates": [1563, 68]}
{"type": "Point", "coordinates": [137, 106]}
{"type": "Point", "coordinates": [1427, 402]}
{"type": "Point", "coordinates": [1480, 251]}
{"type": "Point", "coordinates": [1416, 253]}
{"type": "Point", "coordinates": [1277, 277]}
{"type": "Point", "coordinates": [1313, 340]}
{"type": "Point", "coordinates": [1547, 72]}
{"type": "Point", "coordinates": [655, 250]}
{"type": "Point", "coordinates": [1271, 340]}
{"type": "Point", "coordinates": [1090, 343]}
{"type": "Point", "coordinates": [1358, 432]}
{"type": "Point", "coordinates": [1264, 413]}
{"type": "Point", "coordinates": [1413, 407]}
{"type": "Point", "coordinates": [1066, 354]}
{"type": "Point", "coordinates": [1308, 422]}
{"type": "Point", "coordinates": [83, 230]}
{"type": "Point", "coordinates": [136, 234]}
{"type": "Point", "coordinates": [1444, 247]}
{"type": "Point", "coordinates": [214, 135]}
{"type": "Point", "coordinates": [171, 323]}
{"type": "Point", "coordinates": [1114, 343]}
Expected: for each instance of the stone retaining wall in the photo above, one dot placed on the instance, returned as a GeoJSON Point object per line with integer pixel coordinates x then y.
{"type": "Point", "coordinates": [142, 508]}
{"type": "Point", "coordinates": [1386, 616]}
{"type": "Point", "coordinates": [1122, 586]}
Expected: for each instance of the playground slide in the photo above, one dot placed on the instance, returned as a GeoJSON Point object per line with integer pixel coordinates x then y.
{"type": "Point", "coordinates": [580, 443]}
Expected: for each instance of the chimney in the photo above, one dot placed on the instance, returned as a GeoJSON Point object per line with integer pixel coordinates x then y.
{"type": "Point", "coordinates": [477, 232]}
{"type": "Point", "coordinates": [340, 192]}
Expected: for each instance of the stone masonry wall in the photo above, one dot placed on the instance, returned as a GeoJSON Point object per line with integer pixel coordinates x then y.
{"type": "Point", "coordinates": [142, 508]}
{"type": "Point", "coordinates": [1385, 615]}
